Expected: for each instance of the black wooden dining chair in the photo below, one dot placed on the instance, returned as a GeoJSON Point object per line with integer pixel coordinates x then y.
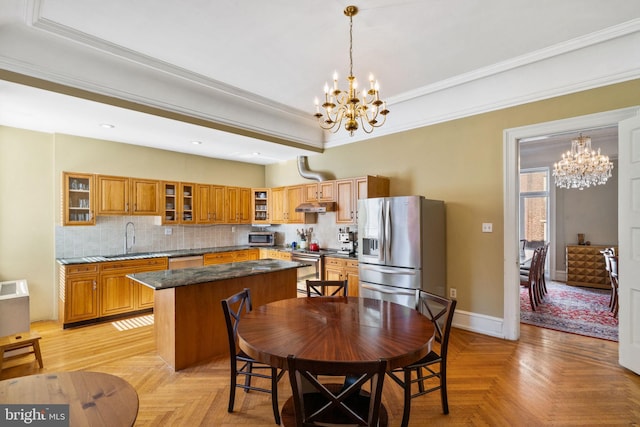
{"type": "Point", "coordinates": [318, 288]}
{"type": "Point", "coordinates": [242, 364]}
{"type": "Point", "coordinates": [432, 367]}
{"type": "Point", "coordinates": [315, 402]}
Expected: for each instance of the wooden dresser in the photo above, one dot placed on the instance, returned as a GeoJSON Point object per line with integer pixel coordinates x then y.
{"type": "Point", "coordinates": [585, 266]}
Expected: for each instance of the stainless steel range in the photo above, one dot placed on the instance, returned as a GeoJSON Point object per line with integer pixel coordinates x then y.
{"type": "Point", "coordinates": [314, 269]}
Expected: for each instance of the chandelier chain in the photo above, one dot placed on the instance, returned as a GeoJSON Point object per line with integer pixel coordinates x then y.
{"type": "Point", "coordinates": [351, 45]}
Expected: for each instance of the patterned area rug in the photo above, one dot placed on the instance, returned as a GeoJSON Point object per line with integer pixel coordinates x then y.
{"type": "Point", "coordinates": [578, 310]}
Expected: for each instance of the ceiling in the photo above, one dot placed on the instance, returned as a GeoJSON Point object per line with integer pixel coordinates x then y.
{"type": "Point", "coordinates": [241, 76]}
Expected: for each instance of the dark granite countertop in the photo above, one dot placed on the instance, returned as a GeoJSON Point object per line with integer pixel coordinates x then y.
{"type": "Point", "coordinates": [145, 255]}
{"type": "Point", "coordinates": [167, 279]}
{"type": "Point", "coordinates": [177, 254]}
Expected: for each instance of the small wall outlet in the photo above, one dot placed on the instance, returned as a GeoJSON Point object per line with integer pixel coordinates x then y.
{"type": "Point", "coordinates": [168, 231]}
{"type": "Point", "coordinates": [233, 228]}
{"type": "Point", "coordinates": [487, 227]}
{"type": "Point", "coordinates": [453, 293]}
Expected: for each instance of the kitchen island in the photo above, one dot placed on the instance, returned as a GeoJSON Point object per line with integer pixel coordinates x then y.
{"type": "Point", "coordinates": [188, 319]}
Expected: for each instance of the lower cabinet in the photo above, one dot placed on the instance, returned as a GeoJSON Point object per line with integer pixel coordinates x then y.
{"type": "Point", "coordinates": [231, 256]}
{"type": "Point", "coordinates": [89, 292]}
{"type": "Point", "coordinates": [78, 293]}
{"type": "Point", "coordinates": [94, 291]}
{"type": "Point", "coordinates": [343, 269]}
{"type": "Point", "coordinates": [275, 254]}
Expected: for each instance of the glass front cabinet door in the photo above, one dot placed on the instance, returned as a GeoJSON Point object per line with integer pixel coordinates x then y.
{"type": "Point", "coordinates": [78, 203]}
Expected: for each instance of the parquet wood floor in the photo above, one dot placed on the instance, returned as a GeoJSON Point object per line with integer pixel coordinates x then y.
{"type": "Point", "coordinates": [546, 378]}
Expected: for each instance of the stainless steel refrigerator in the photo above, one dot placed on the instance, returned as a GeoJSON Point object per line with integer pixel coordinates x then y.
{"type": "Point", "coordinates": [401, 248]}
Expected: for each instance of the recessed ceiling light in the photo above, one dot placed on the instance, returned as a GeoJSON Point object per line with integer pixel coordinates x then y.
{"type": "Point", "coordinates": [196, 142]}
{"type": "Point", "coordinates": [255, 153]}
{"type": "Point", "coordinates": [107, 125]}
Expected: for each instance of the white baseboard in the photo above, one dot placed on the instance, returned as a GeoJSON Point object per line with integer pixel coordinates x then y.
{"type": "Point", "coordinates": [560, 276]}
{"type": "Point", "coordinates": [480, 323]}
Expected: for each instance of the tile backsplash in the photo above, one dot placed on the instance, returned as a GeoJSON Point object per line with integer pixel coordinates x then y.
{"type": "Point", "coordinates": [107, 236]}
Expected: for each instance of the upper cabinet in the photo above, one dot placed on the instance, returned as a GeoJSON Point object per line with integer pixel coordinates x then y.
{"type": "Point", "coordinates": [113, 195]}
{"type": "Point", "coordinates": [145, 196]}
{"type": "Point", "coordinates": [169, 202]}
{"type": "Point", "coordinates": [210, 204]}
{"type": "Point", "coordinates": [186, 200]}
{"type": "Point", "coordinates": [348, 191]}
{"type": "Point", "coordinates": [127, 196]}
{"type": "Point", "coordinates": [238, 204]}
{"type": "Point", "coordinates": [261, 205]}
{"type": "Point", "coordinates": [284, 203]}
{"type": "Point", "coordinates": [324, 191]}
{"type": "Point", "coordinates": [78, 199]}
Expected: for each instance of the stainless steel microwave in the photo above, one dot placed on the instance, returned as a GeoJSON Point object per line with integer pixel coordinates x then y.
{"type": "Point", "coordinates": [262, 238]}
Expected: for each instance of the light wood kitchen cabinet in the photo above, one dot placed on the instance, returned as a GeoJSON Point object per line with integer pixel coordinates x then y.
{"type": "Point", "coordinates": [238, 205]}
{"type": "Point", "coordinates": [113, 195]}
{"type": "Point", "coordinates": [348, 191]}
{"type": "Point", "coordinates": [285, 200]}
{"type": "Point", "coordinates": [187, 203]}
{"type": "Point", "coordinates": [210, 204]}
{"type": "Point", "coordinates": [78, 192]}
{"type": "Point", "coordinates": [78, 293]}
{"type": "Point", "coordinates": [119, 195]}
{"type": "Point", "coordinates": [169, 202]}
{"type": "Point", "coordinates": [119, 294]}
{"type": "Point", "coordinates": [324, 191]}
{"type": "Point", "coordinates": [231, 256]}
{"type": "Point", "coordinates": [274, 254]}
{"type": "Point", "coordinates": [89, 292]}
{"type": "Point", "coordinates": [145, 196]}
{"type": "Point", "coordinates": [261, 205]}
{"type": "Point", "coordinates": [343, 269]}
{"type": "Point", "coordinates": [115, 293]}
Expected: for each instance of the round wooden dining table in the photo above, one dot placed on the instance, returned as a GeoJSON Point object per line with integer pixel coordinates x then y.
{"type": "Point", "coordinates": [94, 398]}
{"type": "Point", "coordinates": [335, 329]}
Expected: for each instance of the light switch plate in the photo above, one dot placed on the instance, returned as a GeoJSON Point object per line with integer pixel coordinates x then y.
{"type": "Point", "coordinates": [487, 227]}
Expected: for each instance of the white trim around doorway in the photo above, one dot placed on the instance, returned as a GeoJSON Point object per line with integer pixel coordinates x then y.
{"type": "Point", "coordinates": [511, 170]}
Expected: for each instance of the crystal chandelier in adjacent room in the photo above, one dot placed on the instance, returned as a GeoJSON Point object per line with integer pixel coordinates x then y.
{"type": "Point", "coordinates": [354, 109]}
{"type": "Point", "coordinates": [582, 167]}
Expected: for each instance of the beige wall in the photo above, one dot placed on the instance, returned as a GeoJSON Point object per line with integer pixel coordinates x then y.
{"type": "Point", "coordinates": [26, 215]}
{"type": "Point", "coordinates": [460, 162]}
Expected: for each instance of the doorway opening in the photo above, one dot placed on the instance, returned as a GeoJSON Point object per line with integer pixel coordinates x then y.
{"type": "Point", "coordinates": [512, 138]}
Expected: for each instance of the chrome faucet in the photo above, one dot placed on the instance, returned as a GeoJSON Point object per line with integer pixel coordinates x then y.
{"type": "Point", "coordinates": [126, 237]}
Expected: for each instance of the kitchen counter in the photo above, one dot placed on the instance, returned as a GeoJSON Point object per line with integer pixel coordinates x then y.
{"type": "Point", "coordinates": [195, 275]}
{"type": "Point", "coordinates": [145, 255]}
{"type": "Point", "coordinates": [181, 253]}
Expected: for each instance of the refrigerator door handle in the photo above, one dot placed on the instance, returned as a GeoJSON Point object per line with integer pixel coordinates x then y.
{"type": "Point", "coordinates": [379, 269]}
{"type": "Point", "coordinates": [381, 232]}
{"type": "Point", "coordinates": [381, 290]}
{"type": "Point", "coordinates": [387, 230]}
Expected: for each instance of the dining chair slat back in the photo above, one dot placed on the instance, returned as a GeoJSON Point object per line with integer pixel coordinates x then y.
{"type": "Point", "coordinates": [242, 364]}
{"type": "Point", "coordinates": [318, 288]}
{"type": "Point", "coordinates": [315, 402]}
{"type": "Point", "coordinates": [434, 365]}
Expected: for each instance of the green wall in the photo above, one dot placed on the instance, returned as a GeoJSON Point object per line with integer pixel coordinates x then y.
{"type": "Point", "coordinates": [460, 162]}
